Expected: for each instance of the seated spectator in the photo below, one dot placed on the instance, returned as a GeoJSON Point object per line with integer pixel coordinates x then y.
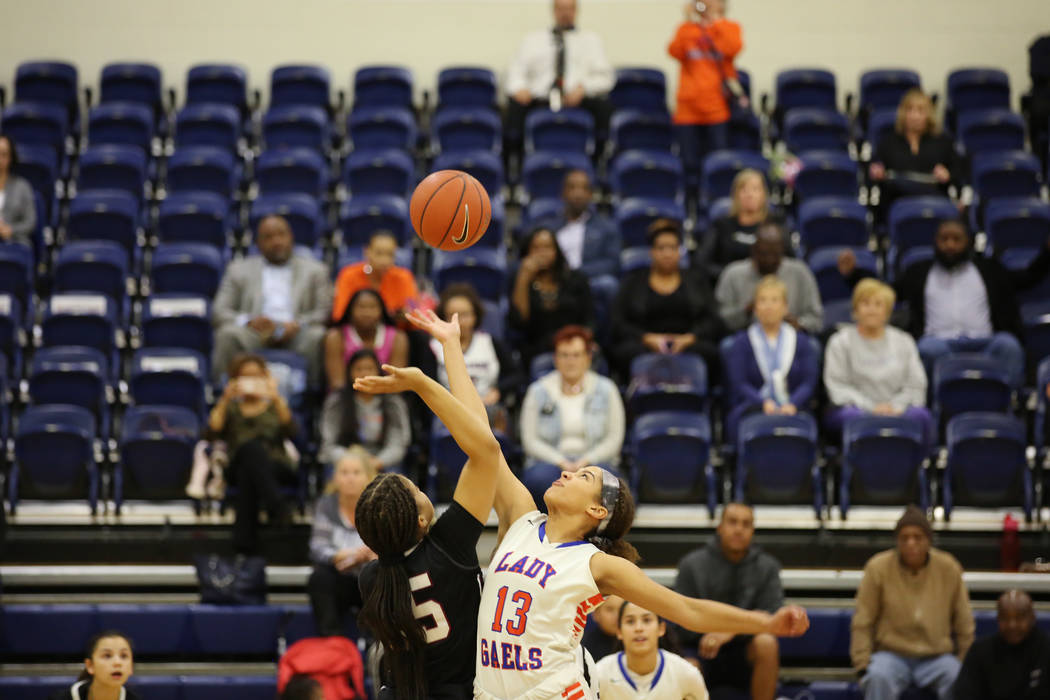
{"type": "Point", "coordinates": [254, 421]}
{"type": "Point", "coordinates": [302, 687]}
{"type": "Point", "coordinates": [735, 290]}
{"type": "Point", "coordinates": [490, 366]}
{"type": "Point", "coordinates": [730, 569]}
{"type": "Point", "coordinates": [961, 302]}
{"type": "Point", "coordinates": [546, 294]}
{"type": "Point", "coordinates": [589, 240]}
{"type": "Point", "coordinates": [570, 418]}
{"type": "Point", "coordinates": [911, 602]}
{"type": "Point", "coordinates": [396, 285]}
{"type": "Point", "coordinates": [601, 636]}
{"type": "Point", "coordinates": [336, 550]}
{"type": "Point", "coordinates": [367, 326]}
{"type": "Point", "coordinates": [1011, 665]}
{"type": "Point", "coordinates": [275, 300]}
{"type": "Point", "coordinates": [561, 67]}
{"type": "Point", "coordinates": [108, 664]}
{"type": "Point", "coordinates": [872, 367]}
{"type": "Point", "coordinates": [378, 423]}
{"type": "Point", "coordinates": [772, 368]}
{"type": "Point", "coordinates": [664, 308]}
{"type": "Point", "coordinates": [731, 236]}
{"type": "Point", "coordinates": [17, 208]}
{"type": "Point", "coordinates": [643, 664]}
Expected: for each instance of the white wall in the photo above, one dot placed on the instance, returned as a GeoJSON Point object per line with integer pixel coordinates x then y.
{"type": "Point", "coordinates": [846, 36]}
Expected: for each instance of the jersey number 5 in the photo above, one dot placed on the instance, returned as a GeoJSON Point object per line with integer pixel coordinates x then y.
{"type": "Point", "coordinates": [429, 608]}
{"type": "Point", "coordinates": [523, 601]}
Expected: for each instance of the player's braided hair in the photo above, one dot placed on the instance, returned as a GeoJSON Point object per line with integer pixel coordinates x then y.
{"type": "Point", "coordinates": [388, 521]}
{"type": "Point", "coordinates": [611, 540]}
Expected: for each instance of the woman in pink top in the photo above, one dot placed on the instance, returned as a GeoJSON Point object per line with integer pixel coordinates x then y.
{"type": "Point", "coordinates": [368, 326]}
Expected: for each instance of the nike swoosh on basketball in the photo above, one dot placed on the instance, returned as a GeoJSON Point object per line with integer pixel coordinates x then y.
{"type": "Point", "coordinates": [466, 226]}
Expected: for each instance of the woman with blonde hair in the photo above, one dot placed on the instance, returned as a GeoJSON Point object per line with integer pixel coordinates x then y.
{"type": "Point", "coordinates": [730, 237]}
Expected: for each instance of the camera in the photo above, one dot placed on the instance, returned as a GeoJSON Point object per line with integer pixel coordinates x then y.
{"type": "Point", "coordinates": [251, 386]}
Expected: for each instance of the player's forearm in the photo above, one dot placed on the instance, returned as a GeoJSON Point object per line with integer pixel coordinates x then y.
{"type": "Point", "coordinates": [459, 380]}
{"type": "Point", "coordinates": [470, 432]}
{"type": "Point", "coordinates": [709, 616]}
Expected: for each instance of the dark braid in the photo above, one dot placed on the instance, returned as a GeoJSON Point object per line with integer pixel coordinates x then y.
{"type": "Point", "coordinates": [388, 521]}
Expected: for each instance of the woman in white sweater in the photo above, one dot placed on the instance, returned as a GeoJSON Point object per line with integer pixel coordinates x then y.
{"type": "Point", "coordinates": [872, 367]}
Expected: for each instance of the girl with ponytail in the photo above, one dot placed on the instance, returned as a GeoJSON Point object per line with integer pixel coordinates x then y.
{"type": "Point", "coordinates": [108, 664]}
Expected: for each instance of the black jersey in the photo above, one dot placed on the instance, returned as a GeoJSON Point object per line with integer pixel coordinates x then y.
{"type": "Point", "coordinates": [445, 576]}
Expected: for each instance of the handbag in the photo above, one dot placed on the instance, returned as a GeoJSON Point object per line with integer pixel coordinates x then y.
{"type": "Point", "coordinates": [238, 580]}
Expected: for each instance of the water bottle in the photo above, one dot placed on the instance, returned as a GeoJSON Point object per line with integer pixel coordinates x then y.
{"type": "Point", "coordinates": [1010, 546]}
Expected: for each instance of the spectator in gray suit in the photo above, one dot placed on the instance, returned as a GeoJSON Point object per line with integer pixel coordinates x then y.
{"type": "Point", "coordinates": [273, 300]}
{"type": "Point", "coordinates": [17, 210]}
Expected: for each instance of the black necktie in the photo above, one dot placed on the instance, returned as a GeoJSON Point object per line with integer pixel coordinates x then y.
{"type": "Point", "coordinates": [559, 60]}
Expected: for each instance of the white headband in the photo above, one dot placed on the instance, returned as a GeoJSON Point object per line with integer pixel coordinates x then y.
{"type": "Point", "coordinates": [610, 492]}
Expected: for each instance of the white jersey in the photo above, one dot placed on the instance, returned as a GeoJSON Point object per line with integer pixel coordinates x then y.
{"type": "Point", "coordinates": [533, 610]}
{"type": "Point", "coordinates": [673, 679]}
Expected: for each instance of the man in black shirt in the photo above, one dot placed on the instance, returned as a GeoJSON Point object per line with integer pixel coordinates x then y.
{"type": "Point", "coordinates": [1011, 665]}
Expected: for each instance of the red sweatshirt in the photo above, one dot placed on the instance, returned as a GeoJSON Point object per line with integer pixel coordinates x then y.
{"type": "Point", "coordinates": [700, 96]}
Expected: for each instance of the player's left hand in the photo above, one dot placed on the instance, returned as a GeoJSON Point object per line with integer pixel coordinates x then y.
{"type": "Point", "coordinates": [427, 320]}
{"type": "Point", "coordinates": [397, 379]}
{"type": "Point", "coordinates": [789, 621]}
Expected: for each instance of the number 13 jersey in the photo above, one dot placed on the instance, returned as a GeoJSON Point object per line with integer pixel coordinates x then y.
{"type": "Point", "coordinates": [533, 611]}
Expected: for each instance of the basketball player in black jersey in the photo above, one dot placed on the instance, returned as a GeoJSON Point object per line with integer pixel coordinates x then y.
{"type": "Point", "coordinates": [421, 597]}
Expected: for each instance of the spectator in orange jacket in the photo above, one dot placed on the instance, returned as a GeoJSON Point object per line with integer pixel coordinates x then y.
{"type": "Point", "coordinates": [396, 285]}
{"type": "Point", "coordinates": [705, 44]}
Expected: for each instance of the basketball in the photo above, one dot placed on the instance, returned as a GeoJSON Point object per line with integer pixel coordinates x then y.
{"type": "Point", "coordinates": [450, 210]}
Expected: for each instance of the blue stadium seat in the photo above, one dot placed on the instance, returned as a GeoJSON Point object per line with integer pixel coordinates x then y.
{"type": "Point", "coordinates": [826, 642]}
{"type": "Point", "coordinates": [383, 86]}
{"type": "Point", "coordinates": [880, 123]}
{"type": "Point", "coordinates": [300, 85]}
{"type": "Point", "coordinates": [53, 630]}
{"type": "Point", "coordinates": [633, 217]}
{"type": "Point", "coordinates": [302, 212]}
{"type": "Point", "coordinates": [966, 382]}
{"type": "Point", "coordinates": [93, 266]}
{"type": "Point", "coordinates": [805, 87]}
{"type": "Point", "coordinates": [37, 124]}
{"type": "Point", "coordinates": [495, 234]}
{"type": "Point", "coordinates": [1036, 317]}
{"type": "Point", "coordinates": [390, 171]}
{"type": "Point", "coordinates": [541, 210]}
{"type": "Point", "coordinates": [485, 166]}
{"type": "Point", "coordinates": [832, 285]}
{"type": "Point", "coordinates": [777, 461]}
{"type": "Point", "coordinates": [208, 124]}
{"type": "Point", "coordinates": [542, 174]}
{"type": "Point", "coordinates": [832, 222]}
{"type": "Point", "coordinates": [105, 215]}
{"type": "Point", "coordinates": [633, 129]}
{"type": "Point", "coordinates": [639, 88]}
{"type": "Point", "coordinates": [986, 464]}
{"type": "Point", "coordinates": [194, 217]}
{"type": "Point", "coordinates": [54, 454]}
{"type": "Point", "coordinates": [719, 169]}
{"type": "Point", "coordinates": [991, 130]}
{"type": "Point", "coordinates": [293, 170]}
{"type": "Point", "coordinates": [363, 215]}
{"type": "Point", "coordinates": [913, 222]}
{"type": "Point", "coordinates": [813, 129]}
{"type": "Point", "coordinates": [25, 688]}
{"type": "Point", "coordinates": [156, 687]}
{"type": "Point", "coordinates": [242, 629]}
{"type": "Point", "coordinates": [289, 369]}
{"type": "Point", "coordinates": [74, 375]}
{"type": "Point", "coordinates": [225, 687]}
{"type": "Point", "coordinates": [1006, 174]}
{"type": "Point", "coordinates": [745, 132]}
{"type": "Point", "coordinates": [883, 88]}
{"type": "Point", "coordinates": [113, 168]}
{"type": "Point", "coordinates": [52, 82]}
{"type": "Point", "coordinates": [121, 123]}
{"type": "Point", "coordinates": [1016, 259]}
{"type": "Point", "coordinates": [156, 630]}
{"type": "Point", "coordinates": [186, 268]}
{"type": "Point", "coordinates": [156, 451]}
{"type": "Point", "coordinates": [81, 319]}
{"type": "Point", "coordinates": [203, 169]}
{"type": "Point", "coordinates": [485, 268]}
{"type": "Point", "coordinates": [1042, 403]}
{"type": "Point", "coordinates": [564, 131]}
{"type": "Point", "coordinates": [1016, 222]}
{"type": "Point", "coordinates": [466, 86]}
{"type": "Point", "coordinates": [667, 383]}
{"type": "Point", "coordinates": [670, 455]}
{"type": "Point", "coordinates": [826, 174]}
{"type": "Point", "coordinates": [12, 335]}
{"type": "Point", "coordinates": [379, 128]}
{"type": "Point", "coordinates": [132, 82]}
{"type": "Point", "coordinates": [883, 462]}
{"type": "Point", "coordinates": [648, 174]}
{"type": "Point", "coordinates": [169, 377]}
{"type": "Point", "coordinates": [466, 129]}
{"type": "Point", "coordinates": [17, 268]}
{"type": "Point", "coordinates": [976, 88]}
{"type": "Point", "coordinates": [296, 126]}
{"type": "Point", "coordinates": [177, 321]}
{"type": "Point", "coordinates": [39, 166]}
{"type": "Point", "coordinates": [219, 84]}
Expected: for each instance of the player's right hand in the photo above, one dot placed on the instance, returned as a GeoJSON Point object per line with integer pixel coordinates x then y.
{"type": "Point", "coordinates": [427, 320]}
{"type": "Point", "coordinates": [397, 379]}
{"type": "Point", "coordinates": [789, 621]}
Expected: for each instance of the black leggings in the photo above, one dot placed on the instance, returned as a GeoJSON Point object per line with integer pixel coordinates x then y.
{"type": "Point", "coordinates": [332, 595]}
{"type": "Point", "coordinates": [258, 478]}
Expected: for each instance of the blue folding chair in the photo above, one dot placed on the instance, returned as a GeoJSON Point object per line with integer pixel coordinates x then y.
{"type": "Point", "coordinates": [296, 126]}
{"type": "Point", "coordinates": [52, 82]}
{"type": "Point", "coordinates": [380, 128]}
{"type": "Point", "coordinates": [39, 166]}
{"type": "Point", "coordinates": [777, 461]}
{"type": "Point", "coordinates": [634, 215]}
{"type": "Point", "coordinates": [156, 451]}
{"type": "Point", "coordinates": [643, 89]}
{"type": "Point", "coordinates": [832, 222]}
{"type": "Point", "coordinates": [883, 463]}
{"type": "Point", "coordinates": [300, 85]}
{"type": "Point", "coordinates": [88, 319]}
{"type": "Point", "coordinates": [967, 382]}
{"type": "Point", "coordinates": [383, 86]}
{"type": "Point", "coordinates": [564, 131]}
{"type": "Point", "coordinates": [883, 88]}
{"type": "Point", "coordinates": [805, 87]}
{"type": "Point", "coordinates": [302, 212]}
{"type": "Point", "coordinates": [17, 269]}
{"type": "Point", "coordinates": [93, 266]}
{"type": "Point", "coordinates": [292, 170]}
{"type": "Point", "coordinates": [913, 223]}
{"type": "Point", "coordinates": [670, 452]}
{"type": "Point", "coordinates": [815, 129]}
{"type": "Point", "coordinates": [650, 174]}
{"type": "Point", "coordinates": [826, 174]}
{"type": "Point", "coordinates": [208, 124]}
{"type": "Point", "coordinates": [976, 88]}
{"type": "Point", "coordinates": [12, 335]}
{"type": "Point", "coordinates": [389, 171]}
{"type": "Point", "coordinates": [1041, 383]}
{"type": "Point", "coordinates": [75, 375]}
{"type": "Point", "coordinates": [105, 215]}
{"type": "Point", "coordinates": [363, 215]}
{"type": "Point", "coordinates": [54, 454]}
{"type": "Point", "coordinates": [987, 466]}
{"type": "Point", "coordinates": [1036, 318]}
{"type": "Point", "coordinates": [194, 217]}
{"type": "Point", "coordinates": [132, 82]}
{"type": "Point", "coordinates": [543, 174]}
{"type": "Point", "coordinates": [1016, 222]}
{"type": "Point", "coordinates": [881, 122]}
{"type": "Point", "coordinates": [466, 86]}
{"type": "Point", "coordinates": [218, 83]}
{"type": "Point", "coordinates": [633, 129]}
{"type": "Point", "coordinates": [466, 129]}
{"type": "Point", "coordinates": [1006, 174]}
{"type": "Point", "coordinates": [113, 168]}
{"type": "Point", "coordinates": [1017, 259]}
{"type": "Point", "coordinates": [996, 129]}
{"type": "Point", "coordinates": [169, 377]}
{"type": "Point", "coordinates": [186, 268]}
{"type": "Point", "coordinates": [484, 268]}
{"type": "Point", "coordinates": [832, 285]}
{"type": "Point", "coordinates": [37, 124]}
{"type": "Point", "coordinates": [745, 132]}
{"type": "Point", "coordinates": [539, 211]}
{"type": "Point", "coordinates": [719, 169]}
{"type": "Point", "coordinates": [121, 123]}
{"type": "Point", "coordinates": [667, 383]}
{"type": "Point", "coordinates": [485, 166]}
{"type": "Point", "coordinates": [177, 321]}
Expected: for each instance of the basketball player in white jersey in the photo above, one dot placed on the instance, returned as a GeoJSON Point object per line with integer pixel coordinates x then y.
{"type": "Point", "coordinates": [644, 671]}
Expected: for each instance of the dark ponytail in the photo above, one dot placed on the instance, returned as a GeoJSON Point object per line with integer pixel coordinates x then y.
{"type": "Point", "coordinates": [611, 540]}
{"type": "Point", "coordinates": [388, 521]}
{"type": "Point", "coordinates": [92, 645]}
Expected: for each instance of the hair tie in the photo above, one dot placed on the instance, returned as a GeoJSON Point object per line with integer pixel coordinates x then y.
{"type": "Point", "coordinates": [396, 559]}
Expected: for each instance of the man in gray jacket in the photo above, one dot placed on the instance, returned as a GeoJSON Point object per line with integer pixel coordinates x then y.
{"type": "Point", "coordinates": [730, 570]}
{"type": "Point", "coordinates": [273, 300]}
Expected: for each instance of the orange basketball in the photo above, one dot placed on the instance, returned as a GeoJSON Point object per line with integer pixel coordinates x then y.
{"type": "Point", "coordinates": [450, 210]}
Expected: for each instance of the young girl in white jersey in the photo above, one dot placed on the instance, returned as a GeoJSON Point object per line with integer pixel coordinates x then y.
{"type": "Point", "coordinates": [644, 671]}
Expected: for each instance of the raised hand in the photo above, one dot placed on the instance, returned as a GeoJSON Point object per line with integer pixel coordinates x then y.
{"type": "Point", "coordinates": [789, 621]}
{"type": "Point", "coordinates": [397, 379]}
{"type": "Point", "coordinates": [443, 331]}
